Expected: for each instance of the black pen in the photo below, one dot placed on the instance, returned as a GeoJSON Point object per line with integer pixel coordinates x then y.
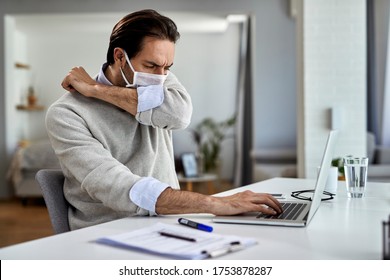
{"type": "Point", "coordinates": [177, 236]}
{"type": "Point", "coordinates": [195, 225]}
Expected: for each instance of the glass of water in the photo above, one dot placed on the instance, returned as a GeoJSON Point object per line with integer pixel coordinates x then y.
{"type": "Point", "coordinates": [355, 171]}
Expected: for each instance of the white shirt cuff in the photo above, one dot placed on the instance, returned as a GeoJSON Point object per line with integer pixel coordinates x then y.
{"type": "Point", "coordinates": [145, 192]}
{"type": "Point", "coordinates": [150, 97]}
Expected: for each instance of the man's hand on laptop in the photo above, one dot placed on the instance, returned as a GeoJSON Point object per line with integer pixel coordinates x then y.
{"type": "Point", "coordinates": [173, 201]}
{"type": "Point", "coordinates": [247, 201]}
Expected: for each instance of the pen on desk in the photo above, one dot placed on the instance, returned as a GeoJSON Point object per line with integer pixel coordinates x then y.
{"type": "Point", "coordinates": [166, 234]}
{"type": "Point", "coordinates": [233, 246]}
{"type": "Point", "coordinates": [195, 225]}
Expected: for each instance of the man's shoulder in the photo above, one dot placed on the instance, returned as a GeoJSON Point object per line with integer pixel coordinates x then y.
{"type": "Point", "coordinates": [75, 103]}
{"type": "Point", "coordinates": [69, 103]}
{"type": "Point", "coordinates": [75, 99]}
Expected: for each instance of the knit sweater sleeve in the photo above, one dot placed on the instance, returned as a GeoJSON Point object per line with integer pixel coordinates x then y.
{"type": "Point", "coordinates": [87, 163]}
{"type": "Point", "coordinates": [176, 110]}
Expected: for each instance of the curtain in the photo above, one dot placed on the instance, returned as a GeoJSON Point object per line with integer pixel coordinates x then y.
{"type": "Point", "coordinates": [244, 121]}
{"type": "Point", "coordinates": [378, 70]}
{"type": "Point", "coordinates": [372, 107]}
{"type": "Point", "coordinates": [386, 94]}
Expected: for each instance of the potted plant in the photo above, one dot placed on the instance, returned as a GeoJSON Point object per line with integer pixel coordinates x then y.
{"type": "Point", "coordinates": [338, 162]}
{"type": "Point", "coordinates": [208, 135]}
{"type": "Point", "coordinates": [31, 97]}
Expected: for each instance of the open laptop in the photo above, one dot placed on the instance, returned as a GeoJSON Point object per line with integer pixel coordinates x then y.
{"type": "Point", "coordinates": [301, 211]}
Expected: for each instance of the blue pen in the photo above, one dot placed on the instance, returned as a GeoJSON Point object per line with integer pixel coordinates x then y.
{"type": "Point", "coordinates": [195, 225]}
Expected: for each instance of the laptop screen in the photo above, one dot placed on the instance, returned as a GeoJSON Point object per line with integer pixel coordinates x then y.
{"type": "Point", "coordinates": [323, 173]}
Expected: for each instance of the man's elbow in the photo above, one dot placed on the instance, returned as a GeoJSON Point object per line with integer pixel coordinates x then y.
{"type": "Point", "coordinates": [185, 118]}
{"type": "Point", "coordinates": [179, 122]}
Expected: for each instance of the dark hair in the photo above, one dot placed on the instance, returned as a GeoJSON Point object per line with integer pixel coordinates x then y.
{"type": "Point", "coordinates": [130, 31]}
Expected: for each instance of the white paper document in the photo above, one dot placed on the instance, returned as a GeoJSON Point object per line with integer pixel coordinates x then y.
{"type": "Point", "coordinates": [178, 242]}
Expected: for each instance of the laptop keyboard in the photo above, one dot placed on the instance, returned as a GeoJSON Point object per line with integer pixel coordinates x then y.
{"type": "Point", "coordinates": [291, 211]}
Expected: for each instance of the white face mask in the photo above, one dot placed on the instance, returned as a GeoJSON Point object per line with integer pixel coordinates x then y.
{"type": "Point", "coordinates": [142, 78]}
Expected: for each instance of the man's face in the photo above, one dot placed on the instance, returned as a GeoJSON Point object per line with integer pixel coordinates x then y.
{"type": "Point", "coordinates": [156, 57]}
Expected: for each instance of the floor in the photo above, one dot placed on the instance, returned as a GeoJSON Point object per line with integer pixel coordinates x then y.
{"type": "Point", "coordinates": [20, 223]}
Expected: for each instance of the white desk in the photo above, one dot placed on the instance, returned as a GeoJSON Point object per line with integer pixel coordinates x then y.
{"type": "Point", "coordinates": [341, 229]}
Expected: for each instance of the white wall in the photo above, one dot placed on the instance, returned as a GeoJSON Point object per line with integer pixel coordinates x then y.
{"type": "Point", "coordinates": [15, 46]}
{"type": "Point", "coordinates": [209, 72]}
{"type": "Point", "coordinates": [332, 73]}
{"type": "Point", "coordinates": [51, 55]}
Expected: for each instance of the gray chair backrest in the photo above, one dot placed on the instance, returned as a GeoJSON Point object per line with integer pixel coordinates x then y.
{"type": "Point", "coordinates": [51, 182]}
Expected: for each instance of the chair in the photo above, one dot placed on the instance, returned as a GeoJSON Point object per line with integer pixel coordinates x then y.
{"type": "Point", "coordinates": [51, 182]}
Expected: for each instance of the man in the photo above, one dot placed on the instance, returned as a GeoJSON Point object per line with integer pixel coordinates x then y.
{"type": "Point", "coordinates": [113, 134]}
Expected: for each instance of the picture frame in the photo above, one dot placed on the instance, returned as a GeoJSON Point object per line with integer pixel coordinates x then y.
{"type": "Point", "coordinates": [190, 167]}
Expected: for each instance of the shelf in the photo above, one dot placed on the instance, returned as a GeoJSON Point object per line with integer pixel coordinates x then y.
{"type": "Point", "coordinates": [30, 108]}
{"type": "Point", "coordinates": [22, 65]}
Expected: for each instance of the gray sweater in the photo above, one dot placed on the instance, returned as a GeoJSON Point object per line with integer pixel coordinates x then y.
{"type": "Point", "coordinates": [104, 151]}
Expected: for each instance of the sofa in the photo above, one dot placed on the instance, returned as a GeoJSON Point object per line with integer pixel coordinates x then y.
{"type": "Point", "coordinates": [379, 161]}
{"type": "Point", "coordinates": [28, 158]}
{"type": "Point", "coordinates": [270, 163]}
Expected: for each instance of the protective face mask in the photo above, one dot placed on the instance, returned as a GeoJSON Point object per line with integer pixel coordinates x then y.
{"type": "Point", "coordinates": [142, 78]}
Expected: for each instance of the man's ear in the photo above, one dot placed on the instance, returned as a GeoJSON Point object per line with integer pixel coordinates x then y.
{"type": "Point", "coordinates": [119, 57]}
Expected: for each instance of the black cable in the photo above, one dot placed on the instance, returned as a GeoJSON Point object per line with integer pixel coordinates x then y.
{"type": "Point", "coordinates": [298, 195]}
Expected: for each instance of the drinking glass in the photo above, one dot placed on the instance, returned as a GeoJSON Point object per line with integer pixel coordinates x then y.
{"type": "Point", "coordinates": [355, 170]}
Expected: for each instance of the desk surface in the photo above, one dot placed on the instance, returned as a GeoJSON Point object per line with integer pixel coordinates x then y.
{"type": "Point", "coordinates": [342, 228]}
